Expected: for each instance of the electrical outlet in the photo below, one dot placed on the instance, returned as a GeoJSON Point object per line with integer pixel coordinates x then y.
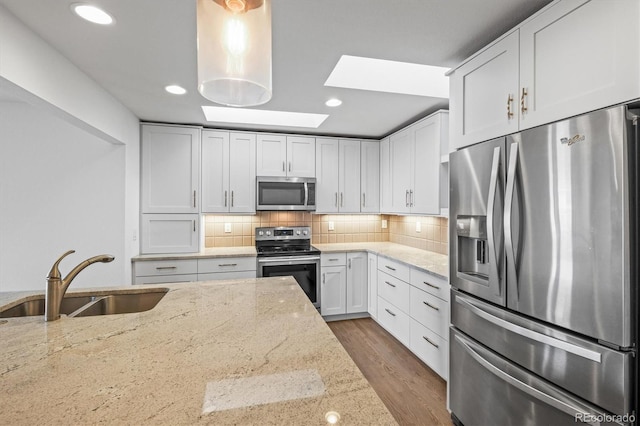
{"type": "Point", "coordinates": [227, 227]}
{"type": "Point", "coordinates": [331, 226]}
{"type": "Point", "coordinates": [384, 223]}
{"type": "Point", "coordinates": [135, 235]}
{"type": "Point", "coordinates": [418, 227]}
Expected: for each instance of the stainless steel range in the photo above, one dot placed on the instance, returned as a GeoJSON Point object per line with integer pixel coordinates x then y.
{"type": "Point", "coordinates": [284, 251]}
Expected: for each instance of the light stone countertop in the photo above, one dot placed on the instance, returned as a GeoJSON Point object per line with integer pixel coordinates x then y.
{"type": "Point", "coordinates": [434, 263]}
{"type": "Point", "coordinates": [211, 252]}
{"type": "Point", "coordinates": [257, 348]}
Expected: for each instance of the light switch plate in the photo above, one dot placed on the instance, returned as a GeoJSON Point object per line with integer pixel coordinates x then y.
{"type": "Point", "coordinates": [384, 223]}
{"type": "Point", "coordinates": [331, 226]}
{"type": "Point", "coordinates": [227, 227]}
{"type": "Point", "coordinates": [418, 227]}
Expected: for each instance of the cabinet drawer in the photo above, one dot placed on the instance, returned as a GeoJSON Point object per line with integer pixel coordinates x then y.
{"type": "Point", "coordinates": [226, 264]}
{"type": "Point", "coordinates": [166, 267]}
{"type": "Point", "coordinates": [333, 259]}
{"type": "Point", "coordinates": [393, 268]}
{"type": "Point", "coordinates": [430, 348]}
{"type": "Point", "coordinates": [163, 279]}
{"type": "Point", "coordinates": [429, 283]}
{"type": "Point", "coordinates": [430, 311]}
{"type": "Point", "coordinates": [394, 321]}
{"type": "Point", "coordinates": [237, 275]}
{"type": "Point", "coordinates": [393, 290]}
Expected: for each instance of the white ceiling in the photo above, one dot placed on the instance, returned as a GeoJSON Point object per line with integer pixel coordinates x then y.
{"type": "Point", "coordinates": [153, 44]}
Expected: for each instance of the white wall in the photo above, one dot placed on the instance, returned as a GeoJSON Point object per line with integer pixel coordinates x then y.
{"type": "Point", "coordinates": [61, 188]}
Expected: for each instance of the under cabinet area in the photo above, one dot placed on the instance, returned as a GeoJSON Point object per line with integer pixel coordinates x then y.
{"type": "Point", "coordinates": [200, 269]}
{"type": "Point", "coordinates": [572, 57]}
{"type": "Point", "coordinates": [344, 287]}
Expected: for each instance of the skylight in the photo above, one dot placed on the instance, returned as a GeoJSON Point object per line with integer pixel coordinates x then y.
{"type": "Point", "coordinates": [354, 72]}
{"type": "Point", "coordinates": [263, 117]}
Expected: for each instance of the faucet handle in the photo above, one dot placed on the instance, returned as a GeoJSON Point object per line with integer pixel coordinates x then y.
{"type": "Point", "coordinates": [55, 272]}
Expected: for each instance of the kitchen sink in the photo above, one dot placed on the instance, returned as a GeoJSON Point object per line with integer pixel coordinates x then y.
{"type": "Point", "coordinates": [102, 303]}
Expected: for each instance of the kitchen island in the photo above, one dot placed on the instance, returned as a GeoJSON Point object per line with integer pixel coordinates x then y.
{"type": "Point", "coordinates": [251, 351]}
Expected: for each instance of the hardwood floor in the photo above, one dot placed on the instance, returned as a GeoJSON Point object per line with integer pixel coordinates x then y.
{"type": "Point", "coordinates": [412, 392]}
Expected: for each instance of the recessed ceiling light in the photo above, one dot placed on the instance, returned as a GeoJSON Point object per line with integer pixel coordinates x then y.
{"type": "Point", "coordinates": [92, 13]}
{"type": "Point", "coordinates": [263, 117]}
{"type": "Point", "coordinates": [380, 75]}
{"type": "Point", "coordinates": [332, 417]}
{"type": "Point", "coordinates": [333, 102]}
{"type": "Point", "coordinates": [175, 89]}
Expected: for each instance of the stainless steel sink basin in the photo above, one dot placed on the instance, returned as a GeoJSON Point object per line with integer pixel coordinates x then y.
{"type": "Point", "coordinates": [101, 303]}
{"type": "Point", "coordinates": [121, 303]}
{"type": "Point", "coordinates": [36, 306]}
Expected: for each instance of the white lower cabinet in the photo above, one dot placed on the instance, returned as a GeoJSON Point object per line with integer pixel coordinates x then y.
{"type": "Point", "coordinates": [344, 287]}
{"type": "Point", "coordinates": [203, 269]}
{"type": "Point", "coordinates": [372, 275]}
{"type": "Point", "coordinates": [413, 306]}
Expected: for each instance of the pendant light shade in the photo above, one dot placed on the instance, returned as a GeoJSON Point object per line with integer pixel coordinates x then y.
{"type": "Point", "coordinates": [234, 51]}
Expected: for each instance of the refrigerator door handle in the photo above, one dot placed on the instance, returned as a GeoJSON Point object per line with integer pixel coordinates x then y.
{"type": "Point", "coordinates": [508, 216]}
{"type": "Point", "coordinates": [564, 406]}
{"type": "Point", "coordinates": [530, 334]}
{"type": "Point", "coordinates": [494, 274]}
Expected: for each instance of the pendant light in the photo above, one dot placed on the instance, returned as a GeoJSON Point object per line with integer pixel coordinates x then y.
{"type": "Point", "coordinates": [234, 51]}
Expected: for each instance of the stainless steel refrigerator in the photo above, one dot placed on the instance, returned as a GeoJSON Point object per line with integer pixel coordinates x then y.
{"type": "Point", "coordinates": [543, 269]}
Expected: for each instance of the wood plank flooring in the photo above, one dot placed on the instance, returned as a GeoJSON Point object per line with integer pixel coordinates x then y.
{"type": "Point", "coordinates": [412, 392]}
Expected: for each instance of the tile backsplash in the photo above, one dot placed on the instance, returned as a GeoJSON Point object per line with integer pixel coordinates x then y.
{"type": "Point", "coordinates": [346, 228]}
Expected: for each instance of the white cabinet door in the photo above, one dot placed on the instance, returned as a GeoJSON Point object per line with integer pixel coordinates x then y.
{"type": "Point", "coordinates": [169, 233]}
{"type": "Point", "coordinates": [370, 176]}
{"type": "Point", "coordinates": [170, 169]}
{"type": "Point", "coordinates": [327, 175]}
{"type": "Point", "coordinates": [301, 153]}
{"type": "Point", "coordinates": [215, 171]}
{"type": "Point", "coordinates": [242, 173]}
{"type": "Point", "coordinates": [425, 189]}
{"type": "Point", "coordinates": [357, 288]}
{"type": "Point", "coordinates": [372, 278]}
{"type": "Point", "coordinates": [485, 94]}
{"type": "Point", "coordinates": [401, 146]}
{"type": "Point", "coordinates": [349, 175]}
{"type": "Point", "coordinates": [333, 293]}
{"type": "Point", "coordinates": [386, 189]}
{"type": "Point", "coordinates": [271, 155]}
{"type": "Point", "coordinates": [578, 56]}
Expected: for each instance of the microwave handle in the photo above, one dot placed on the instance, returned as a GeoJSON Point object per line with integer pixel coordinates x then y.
{"type": "Point", "coordinates": [306, 193]}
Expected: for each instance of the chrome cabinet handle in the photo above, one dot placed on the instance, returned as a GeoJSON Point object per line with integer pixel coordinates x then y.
{"type": "Point", "coordinates": [225, 198]}
{"type": "Point", "coordinates": [523, 108]}
{"type": "Point", "coordinates": [508, 217]}
{"type": "Point", "coordinates": [289, 165]}
{"type": "Point", "coordinates": [392, 285]}
{"type": "Point", "coordinates": [194, 226]}
{"type": "Point", "coordinates": [333, 260]}
{"type": "Point", "coordinates": [227, 264]}
{"type": "Point", "coordinates": [431, 306]}
{"type": "Point", "coordinates": [323, 279]}
{"type": "Point", "coordinates": [509, 102]}
{"type": "Point", "coordinates": [429, 340]}
{"type": "Point", "coordinates": [349, 263]}
{"type": "Point", "coordinates": [389, 267]}
{"type": "Point", "coordinates": [494, 274]}
{"type": "Point", "coordinates": [363, 200]}
{"type": "Point", "coordinates": [336, 199]}
{"type": "Point", "coordinates": [194, 199]}
{"type": "Point", "coordinates": [389, 312]}
{"type": "Point", "coordinates": [406, 198]}
{"type": "Point", "coordinates": [431, 285]}
{"type": "Point", "coordinates": [283, 169]}
{"type": "Point", "coordinates": [341, 199]}
{"type": "Point", "coordinates": [160, 268]}
{"type": "Point", "coordinates": [231, 198]}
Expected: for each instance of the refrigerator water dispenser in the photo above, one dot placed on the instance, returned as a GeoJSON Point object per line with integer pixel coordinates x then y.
{"type": "Point", "coordinates": [473, 259]}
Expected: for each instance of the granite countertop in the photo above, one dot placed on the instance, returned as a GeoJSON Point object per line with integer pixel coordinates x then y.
{"type": "Point", "coordinates": [434, 263]}
{"type": "Point", "coordinates": [249, 351]}
{"type": "Point", "coordinates": [242, 251]}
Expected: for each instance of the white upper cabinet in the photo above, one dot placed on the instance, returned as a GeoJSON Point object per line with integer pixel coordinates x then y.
{"type": "Point", "coordinates": [170, 169]}
{"type": "Point", "coordinates": [370, 176]}
{"type": "Point", "coordinates": [279, 155]}
{"type": "Point", "coordinates": [349, 176]}
{"type": "Point", "coordinates": [484, 94]}
{"type": "Point", "coordinates": [415, 166]}
{"type": "Point", "coordinates": [228, 172]}
{"type": "Point", "coordinates": [572, 57]}
{"type": "Point", "coordinates": [386, 189]}
{"type": "Point", "coordinates": [327, 171]}
{"type": "Point", "coordinates": [578, 56]}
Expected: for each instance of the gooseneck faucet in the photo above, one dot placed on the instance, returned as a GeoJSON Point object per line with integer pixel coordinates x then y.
{"type": "Point", "coordinates": [57, 287]}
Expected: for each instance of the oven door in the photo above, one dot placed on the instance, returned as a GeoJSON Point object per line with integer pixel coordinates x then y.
{"type": "Point", "coordinates": [305, 269]}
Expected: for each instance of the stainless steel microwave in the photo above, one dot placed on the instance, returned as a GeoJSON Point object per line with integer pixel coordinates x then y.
{"type": "Point", "coordinates": [285, 193]}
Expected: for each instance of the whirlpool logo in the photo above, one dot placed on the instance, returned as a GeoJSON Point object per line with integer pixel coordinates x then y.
{"type": "Point", "coordinates": [572, 140]}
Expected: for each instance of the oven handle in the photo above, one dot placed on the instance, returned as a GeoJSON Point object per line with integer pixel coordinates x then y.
{"type": "Point", "coordinates": [289, 259]}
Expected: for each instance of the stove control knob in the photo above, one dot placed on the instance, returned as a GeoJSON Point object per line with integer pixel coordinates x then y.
{"type": "Point", "coordinates": [305, 232]}
{"type": "Point", "coordinates": [297, 232]}
{"type": "Point", "coordinates": [268, 233]}
{"type": "Point", "coordinates": [261, 233]}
